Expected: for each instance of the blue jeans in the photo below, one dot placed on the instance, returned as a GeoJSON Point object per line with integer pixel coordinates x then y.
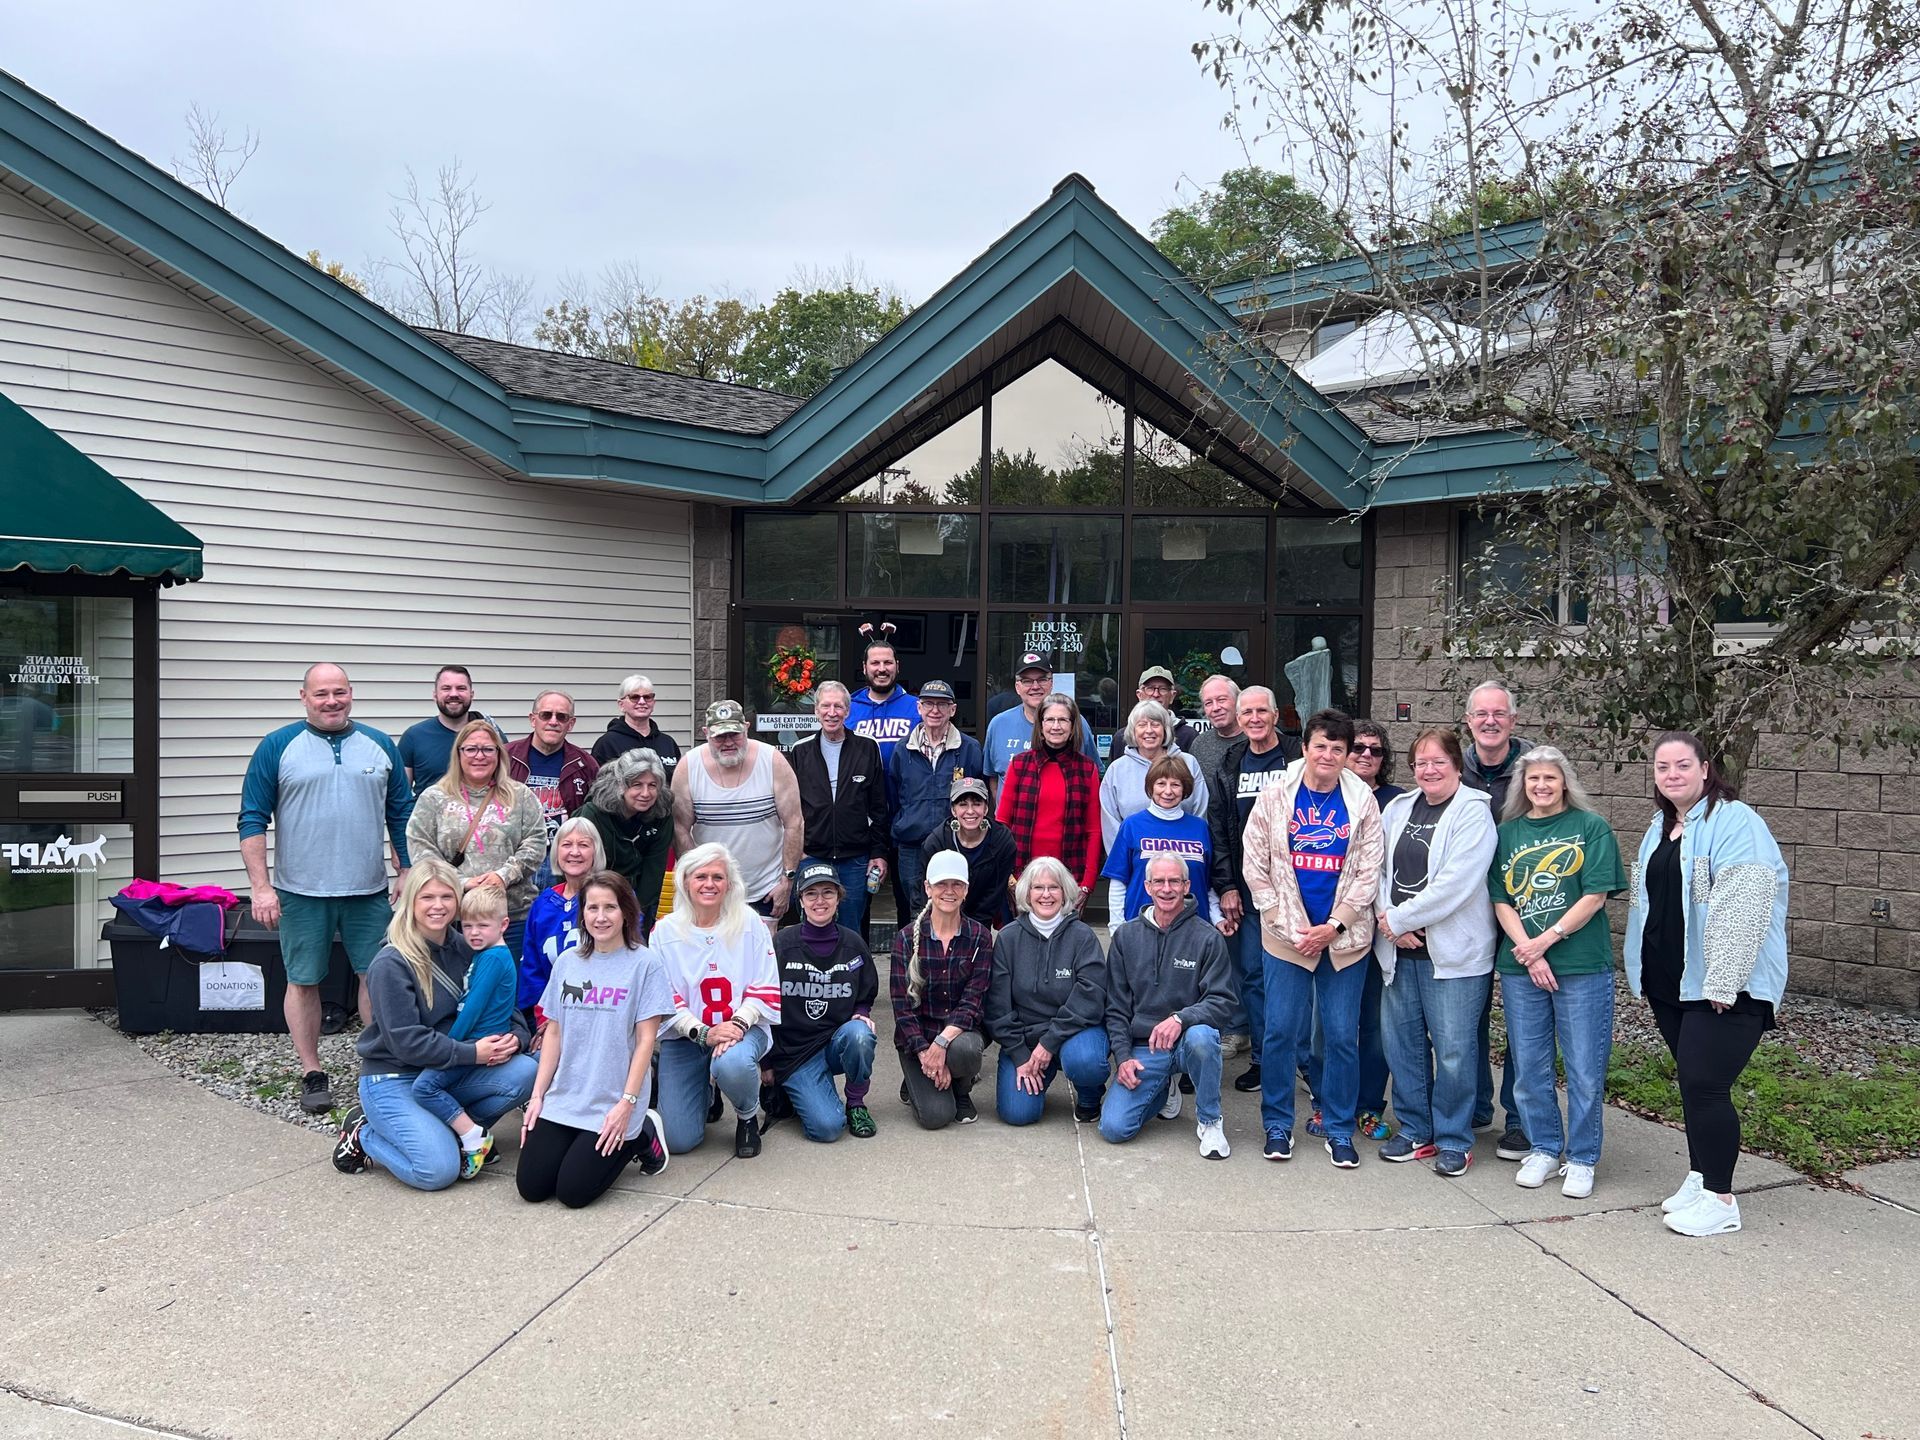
{"type": "Point", "coordinates": [403, 1136]}
{"type": "Point", "coordinates": [1249, 962]}
{"type": "Point", "coordinates": [1579, 1015]}
{"type": "Point", "coordinates": [431, 1087]}
{"type": "Point", "coordinates": [1429, 1026]}
{"type": "Point", "coordinates": [853, 904]}
{"type": "Point", "coordinates": [823, 1115]}
{"type": "Point", "coordinates": [1197, 1053]}
{"type": "Point", "coordinates": [1483, 1086]}
{"type": "Point", "coordinates": [913, 878]}
{"type": "Point", "coordinates": [1083, 1055]}
{"type": "Point", "coordinates": [1373, 1051]}
{"type": "Point", "coordinates": [687, 1070]}
{"type": "Point", "coordinates": [1294, 995]}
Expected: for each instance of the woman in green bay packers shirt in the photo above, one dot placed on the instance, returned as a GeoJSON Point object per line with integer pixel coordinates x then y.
{"type": "Point", "coordinates": [1554, 867]}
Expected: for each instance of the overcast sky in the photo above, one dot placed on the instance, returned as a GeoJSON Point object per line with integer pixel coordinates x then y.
{"type": "Point", "coordinates": [718, 145]}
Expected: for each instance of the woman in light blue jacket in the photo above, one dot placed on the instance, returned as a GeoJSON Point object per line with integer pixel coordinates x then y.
{"type": "Point", "coordinates": [1434, 938]}
{"type": "Point", "coordinates": [1707, 947]}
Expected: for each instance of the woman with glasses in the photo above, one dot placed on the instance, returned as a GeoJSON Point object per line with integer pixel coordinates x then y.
{"type": "Point", "coordinates": [484, 824]}
{"type": "Point", "coordinates": [1050, 798]}
{"type": "Point", "coordinates": [633, 729]}
{"type": "Point", "coordinates": [1372, 760]}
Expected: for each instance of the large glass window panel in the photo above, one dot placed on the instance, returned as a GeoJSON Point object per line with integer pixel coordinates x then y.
{"type": "Point", "coordinates": [56, 883]}
{"type": "Point", "coordinates": [1316, 664]}
{"type": "Point", "coordinates": [944, 470]}
{"type": "Point", "coordinates": [790, 557]}
{"type": "Point", "coordinates": [1055, 559]}
{"type": "Point", "coordinates": [66, 683]}
{"type": "Point", "coordinates": [1220, 561]}
{"type": "Point", "coordinates": [1318, 562]}
{"type": "Point", "coordinates": [1490, 563]}
{"type": "Point", "coordinates": [782, 712]}
{"type": "Point", "coordinates": [913, 554]}
{"type": "Point", "coordinates": [1084, 651]}
{"type": "Point", "coordinates": [1170, 474]}
{"type": "Point", "coordinates": [1056, 441]}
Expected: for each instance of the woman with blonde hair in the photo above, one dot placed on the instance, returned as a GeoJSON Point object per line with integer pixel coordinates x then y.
{"type": "Point", "coordinates": [718, 958]}
{"type": "Point", "coordinates": [415, 986]}
{"type": "Point", "coordinates": [942, 961]}
{"type": "Point", "coordinates": [484, 824]}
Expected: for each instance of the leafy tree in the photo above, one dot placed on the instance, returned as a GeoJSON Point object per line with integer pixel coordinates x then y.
{"type": "Point", "coordinates": [1254, 223]}
{"type": "Point", "coordinates": [1724, 388]}
{"type": "Point", "coordinates": [618, 317]}
{"type": "Point", "coordinates": [338, 271]}
{"type": "Point", "coordinates": [802, 337]}
{"type": "Point", "coordinates": [706, 338]}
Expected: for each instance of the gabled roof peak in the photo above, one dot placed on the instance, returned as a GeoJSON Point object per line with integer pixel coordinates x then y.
{"type": "Point", "coordinates": [1072, 178]}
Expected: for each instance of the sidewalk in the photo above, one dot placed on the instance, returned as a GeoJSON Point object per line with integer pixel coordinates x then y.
{"type": "Point", "coordinates": [174, 1261]}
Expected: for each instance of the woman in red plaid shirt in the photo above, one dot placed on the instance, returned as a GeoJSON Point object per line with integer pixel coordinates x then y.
{"type": "Point", "coordinates": [1051, 796]}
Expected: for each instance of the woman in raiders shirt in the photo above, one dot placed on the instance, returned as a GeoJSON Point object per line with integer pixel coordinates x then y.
{"type": "Point", "coordinates": [828, 984]}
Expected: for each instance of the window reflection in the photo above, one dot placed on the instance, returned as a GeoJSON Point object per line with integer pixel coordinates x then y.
{"type": "Point", "coordinates": [919, 555]}
{"type": "Point", "coordinates": [789, 557]}
{"type": "Point", "coordinates": [944, 470]}
{"type": "Point", "coordinates": [1170, 474]}
{"type": "Point", "coordinates": [1057, 559]}
{"type": "Point", "coordinates": [1056, 441]}
{"type": "Point", "coordinates": [1318, 562]}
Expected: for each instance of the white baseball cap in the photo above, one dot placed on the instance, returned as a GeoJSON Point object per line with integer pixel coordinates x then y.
{"type": "Point", "coordinates": [947, 865]}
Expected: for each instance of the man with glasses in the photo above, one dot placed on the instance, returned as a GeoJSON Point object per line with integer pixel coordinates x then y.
{"type": "Point", "coordinates": [426, 749]}
{"type": "Point", "coordinates": [1011, 731]}
{"type": "Point", "coordinates": [1490, 767]}
{"type": "Point", "coordinates": [633, 728]}
{"type": "Point", "coordinates": [558, 773]}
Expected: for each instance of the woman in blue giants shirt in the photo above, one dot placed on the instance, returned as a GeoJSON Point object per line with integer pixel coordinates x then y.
{"type": "Point", "coordinates": [553, 924]}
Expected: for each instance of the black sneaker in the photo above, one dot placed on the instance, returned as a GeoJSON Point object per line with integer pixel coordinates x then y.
{"type": "Point", "coordinates": [1084, 1110]}
{"type": "Point", "coordinates": [904, 1100]}
{"type": "Point", "coordinates": [716, 1104]}
{"type": "Point", "coordinates": [1279, 1145]}
{"type": "Point", "coordinates": [652, 1157]}
{"type": "Point", "coordinates": [348, 1157]}
{"type": "Point", "coordinates": [963, 1111]}
{"type": "Point", "coordinates": [316, 1095]}
{"type": "Point", "coordinates": [1248, 1080]}
{"type": "Point", "coordinates": [1513, 1143]}
{"type": "Point", "coordinates": [746, 1137]}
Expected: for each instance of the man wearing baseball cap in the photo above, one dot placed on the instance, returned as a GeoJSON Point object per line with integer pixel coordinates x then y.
{"type": "Point", "coordinates": [985, 844]}
{"type": "Point", "coordinates": [741, 793]}
{"type": "Point", "coordinates": [1011, 731]}
{"type": "Point", "coordinates": [1156, 684]}
{"type": "Point", "coordinates": [921, 776]}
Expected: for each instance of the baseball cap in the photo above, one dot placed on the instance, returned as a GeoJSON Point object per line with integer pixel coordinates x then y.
{"type": "Point", "coordinates": [816, 872]}
{"type": "Point", "coordinates": [1031, 661]}
{"type": "Point", "coordinates": [937, 690]}
{"type": "Point", "coordinates": [967, 785]}
{"type": "Point", "coordinates": [1154, 672]}
{"type": "Point", "coordinates": [947, 865]}
{"type": "Point", "coordinates": [726, 717]}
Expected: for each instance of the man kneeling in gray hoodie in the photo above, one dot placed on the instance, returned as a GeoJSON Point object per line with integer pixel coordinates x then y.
{"type": "Point", "coordinates": [1170, 992]}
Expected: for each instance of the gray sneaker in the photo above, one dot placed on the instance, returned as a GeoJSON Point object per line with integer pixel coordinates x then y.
{"type": "Point", "coordinates": [1452, 1162]}
{"type": "Point", "coordinates": [1404, 1147]}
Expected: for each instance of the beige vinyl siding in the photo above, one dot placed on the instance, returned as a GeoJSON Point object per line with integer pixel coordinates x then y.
{"type": "Point", "coordinates": [334, 529]}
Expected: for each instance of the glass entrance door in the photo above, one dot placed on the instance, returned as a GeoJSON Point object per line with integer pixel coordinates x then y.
{"type": "Point", "coordinates": [1194, 646]}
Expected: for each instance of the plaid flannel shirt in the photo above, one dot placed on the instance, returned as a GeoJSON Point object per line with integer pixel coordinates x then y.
{"type": "Point", "coordinates": [955, 989]}
{"type": "Point", "coordinates": [1080, 825]}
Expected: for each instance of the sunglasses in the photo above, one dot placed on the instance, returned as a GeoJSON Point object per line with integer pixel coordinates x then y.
{"type": "Point", "coordinates": [1369, 750]}
{"type": "Point", "coordinates": [638, 695]}
{"type": "Point", "coordinates": [553, 715]}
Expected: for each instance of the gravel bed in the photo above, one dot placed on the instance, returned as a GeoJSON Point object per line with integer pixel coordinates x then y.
{"type": "Point", "coordinates": [1830, 1034]}
{"type": "Point", "coordinates": [259, 1071]}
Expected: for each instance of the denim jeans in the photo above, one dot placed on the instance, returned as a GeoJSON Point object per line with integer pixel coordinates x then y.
{"type": "Point", "coordinates": [823, 1115]}
{"type": "Point", "coordinates": [853, 904]}
{"type": "Point", "coordinates": [431, 1087]}
{"type": "Point", "coordinates": [1483, 1081]}
{"type": "Point", "coordinates": [1249, 962]}
{"type": "Point", "coordinates": [1294, 995]}
{"type": "Point", "coordinates": [402, 1136]}
{"type": "Point", "coordinates": [687, 1069]}
{"type": "Point", "coordinates": [1196, 1053]}
{"type": "Point", "coordinates": [1579, 1016]}
{"type": "Point", "coordinates": [913, 879]}
{"type": "Point", "coordinates": [1373, 1049]}
{"type": "Point", "coordinates": [1083, 1055]}
{"type": "Point", "coordinates": [1429, 1026]}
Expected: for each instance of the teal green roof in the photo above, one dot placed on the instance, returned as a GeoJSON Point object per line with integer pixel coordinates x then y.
{"type": "Point", "coordinates": [66, 515]}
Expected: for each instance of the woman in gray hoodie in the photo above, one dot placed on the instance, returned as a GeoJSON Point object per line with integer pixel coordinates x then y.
{"type": "Point", "coordinates": [1047, 999]}
{"type": "Point", "coordinates": [1148, 737]}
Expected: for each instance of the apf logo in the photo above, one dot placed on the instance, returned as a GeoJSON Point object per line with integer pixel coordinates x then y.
{"type": "Point", "coordinates": [56, 857]}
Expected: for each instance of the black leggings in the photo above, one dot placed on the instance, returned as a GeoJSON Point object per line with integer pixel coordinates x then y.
{"type": "Point", "coordinates": [560, 1160]}
{"type": "Point", "coordinates": [1710, 1050]}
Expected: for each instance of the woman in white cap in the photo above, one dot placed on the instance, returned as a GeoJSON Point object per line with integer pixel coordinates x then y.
{"type": "Point", "coordinates": [942, 962]}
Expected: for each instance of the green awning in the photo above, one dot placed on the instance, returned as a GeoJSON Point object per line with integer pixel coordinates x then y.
{"type": "Point", "coordinates": [63, 514]}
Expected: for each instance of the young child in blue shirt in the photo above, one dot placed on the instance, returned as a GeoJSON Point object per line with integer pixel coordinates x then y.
{"type": "Point", "coordinates": [486, 1009]}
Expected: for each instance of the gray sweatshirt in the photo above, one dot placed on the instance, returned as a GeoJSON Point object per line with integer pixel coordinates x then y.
{"type": "Point", "coordinates": [407, 1032]}
{"type": "Point", "coordinates": [1044, 988]}
{"type": "Point", "coordinates": [1152, 973]}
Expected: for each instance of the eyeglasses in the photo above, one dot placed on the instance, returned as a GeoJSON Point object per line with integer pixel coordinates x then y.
{"type": "Point", "coordinates": [1375, 750]}
{"type": "Point", "coordinates": [639, 695]}
{"type": "Point", "coordinates": [553, 715]}
{"type": "Point", "coordinates": [1489, 715]}
{"type": "Point", "coordinates": [478, 750]}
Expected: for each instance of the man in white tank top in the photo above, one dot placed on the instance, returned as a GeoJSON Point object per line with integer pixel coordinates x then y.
{"type": "Point", "coordinates": [738, 792]}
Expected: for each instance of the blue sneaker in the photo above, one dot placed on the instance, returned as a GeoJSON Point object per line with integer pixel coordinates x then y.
{"type": "Point", "coordinates": [1452, 1162]}
{"type": "Point", "coordinates": [1279, 1145]}
{"type": "Point", "coordinates": [1345, 1157]}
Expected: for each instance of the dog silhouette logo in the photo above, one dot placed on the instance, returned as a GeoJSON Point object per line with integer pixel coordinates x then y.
{"type": "Point", "coordinates": [572, 992]}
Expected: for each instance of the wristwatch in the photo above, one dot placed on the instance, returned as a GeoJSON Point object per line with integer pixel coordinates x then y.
{"type": "Point", "coordinates": [698, 1034]}
{"type": "Point", "coordinates": [631, 1099]}
{"type": "Point", "coordinates": [1339, 927]}
{"type": "Point", "coordinates": [942, 1041]}
{"type": "Point", "coordinates": [1555, 927]}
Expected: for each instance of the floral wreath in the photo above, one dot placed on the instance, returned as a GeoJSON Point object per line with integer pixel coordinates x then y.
{"type": "Point", "coordinates": [791, 670]}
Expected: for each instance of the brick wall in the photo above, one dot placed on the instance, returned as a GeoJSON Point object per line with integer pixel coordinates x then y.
{"type": "Point", "coordinates": [1850, 835]}
{"type": "Point", "coordinates": [712, 592]}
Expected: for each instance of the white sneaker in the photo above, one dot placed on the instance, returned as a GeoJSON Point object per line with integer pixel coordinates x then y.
{"type": "Point", "coordinates": [1213, 1141]}
{"type": "Point", "coordinates": [1688, 1192]}
{"type": "Point", "coordinates": [1536, 1170]}
{"type": "Point", "coordinates": [1579, 1182]}
{"type": "Point", "coordinates": [1709, 1215]}
{"type": "Point", "coordinates": [1171, 1110]}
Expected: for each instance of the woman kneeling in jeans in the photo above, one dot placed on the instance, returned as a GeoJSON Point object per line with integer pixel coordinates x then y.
{"type": "Point", "coordinates": [828, 984]}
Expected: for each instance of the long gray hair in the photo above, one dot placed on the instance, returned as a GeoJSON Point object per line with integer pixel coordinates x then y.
{"type": "Point", "coordinates": [1517, 802]}
{"type": "Point", "coordinates": [609, 793]}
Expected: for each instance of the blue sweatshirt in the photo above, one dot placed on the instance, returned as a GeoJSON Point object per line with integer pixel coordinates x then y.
{"type": "Point", "coordinates": [553, 928]}
{"type": "Point", "coordinates": [886, 725]}
{"type": "Point", "coordinates": [920, 790]}
{"type": "Point", "coordinates": [488, 1006]}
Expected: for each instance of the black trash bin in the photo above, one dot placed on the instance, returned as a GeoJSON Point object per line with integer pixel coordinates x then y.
{"type": "Point", "coordinates": [159, 989]}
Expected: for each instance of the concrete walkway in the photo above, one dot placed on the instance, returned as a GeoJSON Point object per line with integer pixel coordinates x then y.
{"type": "Point", "coordinates": [173, 1261]}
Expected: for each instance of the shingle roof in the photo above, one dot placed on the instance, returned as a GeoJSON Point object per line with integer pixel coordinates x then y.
{"type": "Point", "coordinates": [621, 389]}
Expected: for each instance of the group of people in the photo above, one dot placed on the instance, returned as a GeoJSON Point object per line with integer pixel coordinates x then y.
{"type": "Point", "coordinates": [1259, 884]}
